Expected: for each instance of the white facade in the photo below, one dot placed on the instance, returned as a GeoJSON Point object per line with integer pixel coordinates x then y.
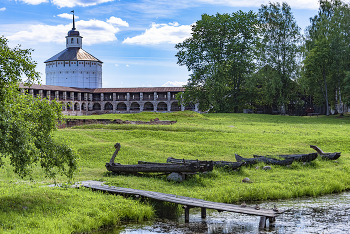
{"type": "Point", "coordinates": [79, 74]}
{"type": "Point", "coordinates": [74, 67]}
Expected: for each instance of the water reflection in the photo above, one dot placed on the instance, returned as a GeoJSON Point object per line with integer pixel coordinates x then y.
{"type": "Point", "coordinates": [327, 214]}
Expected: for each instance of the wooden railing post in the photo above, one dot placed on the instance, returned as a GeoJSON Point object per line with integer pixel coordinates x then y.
{"type": "Point", "coordinates": [203, 213]}
{"type": "Point", "coordinates": [262, 223]}
{"type": "Point", "coordinates": [272, 221]}
{"type": "Point", "coordinates": [187, 214]}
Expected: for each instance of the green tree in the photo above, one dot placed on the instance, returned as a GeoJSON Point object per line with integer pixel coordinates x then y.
{"type": "Point", "coordinates": [220, 56]}
{"type": "Point", "coordinates": [27, 122]}
{"type": "Point", "coordinates": [279, 53]}
{"type": "Point", "coordinates": [327, 52]}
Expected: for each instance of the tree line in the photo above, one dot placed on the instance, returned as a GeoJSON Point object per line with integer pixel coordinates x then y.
{"type": "Point", "coordinates": [246, 59]}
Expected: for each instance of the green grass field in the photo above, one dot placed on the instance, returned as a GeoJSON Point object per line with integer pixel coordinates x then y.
{"type": "Point", "coordinates": [194, 136]}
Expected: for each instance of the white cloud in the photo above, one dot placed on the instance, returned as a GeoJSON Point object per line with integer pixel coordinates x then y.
{"type": "Point", "coordinates": [72, 3]}
{"type": "Point", "coordinates": [127, 65]}
{"type": "Point", "coordinates": [299, 4]}
{"type": "Point", "coordinates": [171, 33]}
{"type": "Point", "coordinates": [93, 31]}
{"type": "Point", "coordinates": [3, 9]}
{"type": "Point", "coordinates": [117, 21]}
{"type": "Point", "coordinates": [34, 2]}
{"type": "Point", "coordinates": [68, 16]}
{"type": "Point", "coordinates": [173, 84]}
{"type": "Point", "coordinates": [116, 65]}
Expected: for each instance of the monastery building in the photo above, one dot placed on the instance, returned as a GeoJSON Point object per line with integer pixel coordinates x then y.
{"type": "Point", "coordinates": [74, 77]}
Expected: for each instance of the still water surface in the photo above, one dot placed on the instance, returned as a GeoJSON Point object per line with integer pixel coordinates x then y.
{"type": "Point", "coordinates": [327, 214]}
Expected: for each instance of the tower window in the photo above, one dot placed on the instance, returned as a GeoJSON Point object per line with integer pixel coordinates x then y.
{"type": "Point", "coordinates": [77, 41]}
{"type": "Point", "coordinates": [71, 40]}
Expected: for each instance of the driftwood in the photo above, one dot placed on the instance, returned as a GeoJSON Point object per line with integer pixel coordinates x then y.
{"type": "Point", "coordinates": [297, 157]}
{"type": "Point", "coordinates": [272, 161]}
{"type": "Point", "coordinates": [232, 165]}
{"type": "Point", "coordinates": [327, 156]}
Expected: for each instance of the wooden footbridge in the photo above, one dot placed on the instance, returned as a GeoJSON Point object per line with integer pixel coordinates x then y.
{"type": "Point", "coordinates": [189, 202]}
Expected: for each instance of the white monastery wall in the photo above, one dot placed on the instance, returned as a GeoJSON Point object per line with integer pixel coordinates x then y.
{"type": "Point", "coordinates": [83, 74]}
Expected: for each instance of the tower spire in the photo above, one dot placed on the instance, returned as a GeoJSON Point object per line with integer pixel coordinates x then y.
{"type": "Point", "coordinates": [73, 21]}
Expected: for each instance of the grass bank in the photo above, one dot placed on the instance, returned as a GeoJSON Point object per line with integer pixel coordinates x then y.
{"type": "Point", "coordinates": [30, 208]}
{"type": "Point", "coordinates": [196, 136]}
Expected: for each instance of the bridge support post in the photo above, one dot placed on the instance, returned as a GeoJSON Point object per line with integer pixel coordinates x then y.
{"type": "Point", "coordinates": [203, 213]}
{"type": "Point", "coordinates": [272, 221]}
{"type": "Point", "coordinates": [262, 223]}
{"type": "Point", "coordinates": [187, 214]}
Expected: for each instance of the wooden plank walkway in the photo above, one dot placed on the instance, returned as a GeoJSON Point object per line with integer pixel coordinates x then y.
{"type": "Point", "coordinates": [188, 202]}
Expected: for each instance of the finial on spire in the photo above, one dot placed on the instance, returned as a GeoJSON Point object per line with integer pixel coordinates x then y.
{"type": "Point", "coordinates": [73, 21]}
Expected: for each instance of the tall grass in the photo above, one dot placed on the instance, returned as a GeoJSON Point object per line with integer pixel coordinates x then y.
{"type": "Point", "coordinates": [194, 136]}
{"type": "Point", "coordinates": [28, 208]}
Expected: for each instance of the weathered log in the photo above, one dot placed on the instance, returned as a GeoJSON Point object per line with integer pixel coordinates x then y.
{"type": "Point", "coordinates": [248, 161]}
{"type": "Point", "coordinates": [297, 157]}
{"type": "Point", "coordinates": [203, 166]}
{"type": "Point", "coordinates": [232, 165]}
{"type": "Point", "coordinates": [207, 165]}
{"type": "Point", "coordinates": [153, 168]}
{"type": "Point", "coordinates": [117, 148]}
{"type": "Point", "coordinates": [327, 156]}
{"type": "Point", "coordinates": [266, 160]}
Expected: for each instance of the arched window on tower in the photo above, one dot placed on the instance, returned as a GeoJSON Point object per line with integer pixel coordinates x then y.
{"type": "Point", "coordinates": [77, 40]}
{"type": "Point", "coordinates": [71, 40]}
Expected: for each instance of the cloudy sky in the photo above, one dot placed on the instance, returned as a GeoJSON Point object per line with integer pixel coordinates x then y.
{"type": "Point", "coordinates": [135, 39]}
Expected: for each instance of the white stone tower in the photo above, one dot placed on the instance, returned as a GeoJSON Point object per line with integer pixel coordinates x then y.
{"type": "Point", "coordinates": [74, 67]}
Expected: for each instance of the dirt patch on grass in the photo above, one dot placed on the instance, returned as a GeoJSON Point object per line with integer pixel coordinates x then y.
{"type": "Point", "coordinates": [78, 122]}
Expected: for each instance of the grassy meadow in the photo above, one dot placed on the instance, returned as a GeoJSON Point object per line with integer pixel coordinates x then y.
{"type": "Point", "coordinates": [194, 136]}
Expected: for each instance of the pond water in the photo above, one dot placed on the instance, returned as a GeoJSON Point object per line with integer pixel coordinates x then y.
{"type": "Point", "coordinates": [327, 214]}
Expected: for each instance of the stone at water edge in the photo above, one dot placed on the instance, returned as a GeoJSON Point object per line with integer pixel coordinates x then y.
{"type": "Point", "coordinates": [267, 168]}
{"type": "Point", "coordinates": [246, 180]}
{"type": "Point", "coordinates": [177, 177]}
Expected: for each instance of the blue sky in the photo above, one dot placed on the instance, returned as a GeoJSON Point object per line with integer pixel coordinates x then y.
{"type": "Point", "coordinates": [134, 39]}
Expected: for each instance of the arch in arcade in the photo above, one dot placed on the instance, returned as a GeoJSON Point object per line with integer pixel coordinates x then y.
{"type": "Point", "coordinates": [135, 106]}
{"type": "Point", "coordinates": [148, 106]}
{"type": "Point", "coordinates": [83, 106]}
{"type": "Point", "coordinates": [108, 106]}
{"type": "Point", "coordinates": [121, 106]}
{"type": "Point", "coordinates": [162, 106]}
{"type": "Point", "coordinates": [96, 106]}
{"type": "Point", "coordinates": [175, 106]}
{"type": "Point", "coordinates": [76, 107]}
{"type": "Point", "coordinates": [69, 106]}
